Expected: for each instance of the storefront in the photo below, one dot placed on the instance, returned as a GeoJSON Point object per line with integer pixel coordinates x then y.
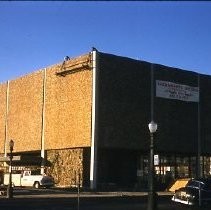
{"type": "Point", "coordinates": [171, 167]}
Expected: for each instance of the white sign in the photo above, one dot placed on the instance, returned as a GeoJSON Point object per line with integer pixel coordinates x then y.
{"type": "Point", "coordinates": [7, 159]}
{"type": "Point", "coordinates": [170, 90]}
{"type": "Point", "coordinates": [156, 160]}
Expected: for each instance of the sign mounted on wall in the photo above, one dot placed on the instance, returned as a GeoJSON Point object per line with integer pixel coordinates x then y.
{"type": "Point", "coordinates": [156, 160]}
{"type": "Point", "coordinates": [170, 90]}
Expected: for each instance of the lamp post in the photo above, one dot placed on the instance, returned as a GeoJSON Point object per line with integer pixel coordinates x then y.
{"type": "Point", "coordinates": [151, 194]}
{"type": "Point", "coordinates": [9, 187]}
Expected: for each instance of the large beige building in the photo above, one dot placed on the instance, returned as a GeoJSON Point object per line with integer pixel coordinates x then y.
{"type": "Point", "coordinates": [88, 116]}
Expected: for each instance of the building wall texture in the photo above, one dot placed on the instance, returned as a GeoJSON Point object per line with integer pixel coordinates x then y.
{"type": "Point", "coordinates": [177, 120]}
{"type": "Point", "coordinates": [205, 110]}
{"type": "Point", "coordinates": [62, 101]}
{"type": "Point", "coordinates": [25, 112]}
{"type": "Point", "coordinates": [124, 102]}
{"type": "Point", "coordinates": [68, 109]}
{"type": "Point", "coordinates": [67, 166]}
{"type": "Point", "coordinates": [125, 107]}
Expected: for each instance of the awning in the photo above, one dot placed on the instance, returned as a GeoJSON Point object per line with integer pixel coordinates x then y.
{"type": "Point", "coordinates": [26, 161]}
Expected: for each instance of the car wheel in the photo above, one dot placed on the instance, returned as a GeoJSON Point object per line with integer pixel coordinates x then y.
{"type": "Point", "coordinates": [37, 185]}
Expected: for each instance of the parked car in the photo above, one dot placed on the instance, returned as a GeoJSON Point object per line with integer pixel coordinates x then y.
{"type": "Point", "coordinates": [196, 191]}
{"type": "Point", "coordinates": [30, 179]}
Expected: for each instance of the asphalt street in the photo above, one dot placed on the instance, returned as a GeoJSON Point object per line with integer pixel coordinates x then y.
{"type": "Point", "coordinates": [57, 199]}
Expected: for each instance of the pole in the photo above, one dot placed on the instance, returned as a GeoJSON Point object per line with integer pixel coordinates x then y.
{"type": "Point", "coordinates": [43, 152]}
{"type": "Point", "coordinates": [93, 156]}
{"type": "Point", "coordinates": [199, 194]}
{"type": "Point", "coordinates": [9, 187]}
{"type": "Point", "coordinates": [151, 193]}
{"type": "Point", "coordinates": [152, 90]}
{"type": "Point", "coordinates": [199, 171]}
{"type": "Point", "coordinates": [79, 177]}
{"type": "Point", "coordinates": [6, 119]}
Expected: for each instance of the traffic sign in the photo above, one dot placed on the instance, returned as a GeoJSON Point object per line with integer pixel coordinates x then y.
{"type": "Point", "coordinates": [6, 159]}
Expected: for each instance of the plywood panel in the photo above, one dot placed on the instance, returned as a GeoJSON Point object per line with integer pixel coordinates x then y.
{"type": "Point", "coordinates": [25, 112]}
{"type": "Point", "coordinates": [68, 107]}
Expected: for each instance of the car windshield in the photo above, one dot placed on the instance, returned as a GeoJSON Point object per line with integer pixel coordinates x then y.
{"type": "Point", "coordinates": [193, 183]}
{"type": "Point", "coordinates": [205, 184]}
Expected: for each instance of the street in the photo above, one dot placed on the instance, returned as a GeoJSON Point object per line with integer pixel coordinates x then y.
{"type": "Point", "coordinates": [56, 199]}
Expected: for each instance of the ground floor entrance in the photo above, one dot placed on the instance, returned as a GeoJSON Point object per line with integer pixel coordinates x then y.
{"type": "Point", "coordinates": [168, 168]}
{"type": "Point", "coordinates": [127, 168]}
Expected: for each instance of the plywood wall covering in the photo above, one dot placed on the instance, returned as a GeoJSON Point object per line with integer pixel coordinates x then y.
{"type": "Point", "coordinates": [25, 112]}
{"type": "Point", "coordinates": [3, 89]}
{"type": "Point", "coordinates": [68, 108]}
{"type": "Point", "coordinates": [67, 117]}
{"type": "Point", "coordinates": [66, 166]}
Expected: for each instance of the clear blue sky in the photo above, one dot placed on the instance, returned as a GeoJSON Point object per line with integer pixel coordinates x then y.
{"type": "Point", "coordinates": [34, 35]}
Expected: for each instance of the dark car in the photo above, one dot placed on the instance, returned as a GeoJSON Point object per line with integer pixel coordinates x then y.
{"type": "Point", "coordinates": [196, 192]}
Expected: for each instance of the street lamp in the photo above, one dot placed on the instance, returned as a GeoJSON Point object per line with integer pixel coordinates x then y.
{"type": "Point", "coordinates": [151, 194]}
{"type": "Point", "coordinates": [9, 187]}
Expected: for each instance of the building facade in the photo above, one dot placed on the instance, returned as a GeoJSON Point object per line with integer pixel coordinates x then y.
{"type": "Point", "coordinates": [86, 119]}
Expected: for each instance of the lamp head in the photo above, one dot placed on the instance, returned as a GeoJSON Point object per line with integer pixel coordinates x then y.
{"type": "Point", "coordinates": [152, 127]}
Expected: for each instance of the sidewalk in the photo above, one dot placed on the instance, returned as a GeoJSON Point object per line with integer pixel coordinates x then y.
{"type": "Point", "coordinates": [46, 193]}
{"type": "Point", "coordinates": [73, 193]}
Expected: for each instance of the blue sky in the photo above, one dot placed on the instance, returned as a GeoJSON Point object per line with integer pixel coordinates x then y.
{"type": "Point", "coordinates": [37, 34]}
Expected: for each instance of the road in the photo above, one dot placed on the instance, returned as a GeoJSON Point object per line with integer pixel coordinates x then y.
{"type": "Point", "coordinates": [57, 199]}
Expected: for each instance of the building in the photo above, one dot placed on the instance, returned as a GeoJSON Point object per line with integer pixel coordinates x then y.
{"type": "Point", "coordinates": [89, 116]}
